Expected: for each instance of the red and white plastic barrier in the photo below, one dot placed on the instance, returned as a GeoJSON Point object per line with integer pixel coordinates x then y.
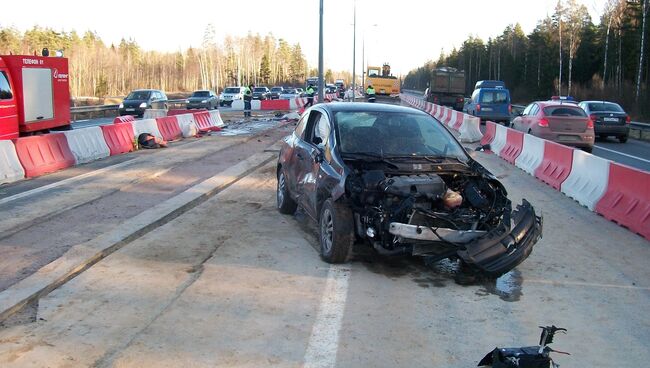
{"type": "Point", "coordinates": [531, 155]}
{"type": "Point", "coordinates": [146, 126]}
{"type": "Point", "coordinates": [499, 140]}
{"type": "Point", "coordinates": [87, 144]}
{"type": "Point", "coordinates": [42, 154]}
{"type": "Point", "coordinates": [514, 144]}
{"type": "Point", "coordinates": [187, 124]}
{"type": "Point", "coordinates": [10, 168]}
{"type": "Point", "coordinates": [556, 164]}
{"type": "Point", "coordinates": [588, 179]}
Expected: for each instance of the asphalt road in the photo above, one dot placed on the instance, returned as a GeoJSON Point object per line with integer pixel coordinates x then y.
{"type": "Point", "coordinates": [231, 282]}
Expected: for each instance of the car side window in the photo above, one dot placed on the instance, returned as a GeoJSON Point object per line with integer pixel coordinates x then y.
{"type": "Point", "coordinates": [5, 88]}
{"type": "Point", "coordinates": [300, 128]}
{"type": "Point", "coordinates": [534, 110]}
{"type": "Point", "coordinates": [527, 110]}
{"type": "Point", "coordinates": [322, 131]}
{"type": "Point", "coordinates": [475, 96]}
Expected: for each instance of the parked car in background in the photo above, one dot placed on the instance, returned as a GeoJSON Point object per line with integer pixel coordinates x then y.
{"type": "Point", "coordinates": [261, 93]}
{"type": "Point", "coordinates": [301, 92]}
{"type": "Point", "coordinates": [491, 103]}
{"type": "Point", "coordinates": [275, 92]}
{"type": "Point", "coordinates": [231, 94]}
{"type": "Point", "coordinates": [289, 94]}
{"type": "Point", "coordinates": [203, 99]}
{"type": "Point", "coordinates": [557, 121]}
{"type": "Point", "coordinates": [396, 179]}
{"type": "Point", "coordinates": [330, 88]}
{"type": "Point", "coordinates": [141, 99]}
{"type": "Point", "coordinates": [609, 119]}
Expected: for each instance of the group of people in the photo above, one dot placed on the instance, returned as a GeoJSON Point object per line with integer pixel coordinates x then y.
{"type": "Point", "coordinates": [248, 97]}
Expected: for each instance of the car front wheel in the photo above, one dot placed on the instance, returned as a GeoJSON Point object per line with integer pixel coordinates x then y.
{"type": "Point", "coordinates": [622, 139]}
{"type": "Point", "coordinates": [336, 232]}
{"type": "Point", "coordinates": [286, 205]}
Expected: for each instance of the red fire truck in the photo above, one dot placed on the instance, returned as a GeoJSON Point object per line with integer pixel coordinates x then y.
{"type": "Point", "coordinates": [34, 95]}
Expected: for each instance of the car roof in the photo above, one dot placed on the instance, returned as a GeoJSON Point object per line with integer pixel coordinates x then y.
{"type": "Point", "coordinates": [146, 90]}
{"type": "Point", "coordinates": [335, 107]}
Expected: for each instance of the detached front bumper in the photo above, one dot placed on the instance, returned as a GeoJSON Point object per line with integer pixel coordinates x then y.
{"type": "Point", "coordinates": [505, 247]}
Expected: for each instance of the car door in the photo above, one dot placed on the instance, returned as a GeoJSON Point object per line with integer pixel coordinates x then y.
{"type": "Point", "coordinates": [519, 122]}
{"type": "Point", "coordinates": [8, 109]}
{"type": "Point", "coordinates": [308, 153]}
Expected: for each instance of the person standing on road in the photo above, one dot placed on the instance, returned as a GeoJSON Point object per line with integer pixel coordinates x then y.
{"type": "Point", "coordinates": [310, 96]}
{"type": "Point", "coordinates": [248, 96]}
{"type": "Point", "coordinates": [370, 92]}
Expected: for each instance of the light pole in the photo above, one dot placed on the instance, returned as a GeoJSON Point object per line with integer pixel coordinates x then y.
{"type": "Point", "coordinates": [320, 56]}
{"type": "Point", "coordinates": [354, 53]}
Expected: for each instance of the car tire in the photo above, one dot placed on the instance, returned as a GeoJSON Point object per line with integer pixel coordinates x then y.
{"type": "Point", "coordinates": [622, 138]}
{"type": "Point", "coordinates": [588, 149]}
{"type": "Point", "coordinates": [336, 232]}
{"type": "Point", "coordinates": [286, 205]}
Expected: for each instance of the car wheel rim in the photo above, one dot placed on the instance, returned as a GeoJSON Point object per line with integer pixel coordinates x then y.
{"type": "Point", "coordinates": [327, 230]}
{"type": "Point", "coordinates": [281, 187]}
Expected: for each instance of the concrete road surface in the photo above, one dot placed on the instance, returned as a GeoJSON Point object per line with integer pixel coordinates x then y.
{"type": "Point", "coordinates": [232, 283]}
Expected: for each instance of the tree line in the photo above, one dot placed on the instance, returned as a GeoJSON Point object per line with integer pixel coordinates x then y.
{"type": "Point", "coordinates": [100, 70]}
{"type": "Point", "coordinates": [566, 54]}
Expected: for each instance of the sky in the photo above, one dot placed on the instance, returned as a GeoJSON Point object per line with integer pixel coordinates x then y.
{"type": "Point", "coordinates": [404, 33]}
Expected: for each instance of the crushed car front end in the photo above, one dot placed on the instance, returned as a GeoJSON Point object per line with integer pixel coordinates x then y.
{"type": "Point", "coordinates": [455, 213]}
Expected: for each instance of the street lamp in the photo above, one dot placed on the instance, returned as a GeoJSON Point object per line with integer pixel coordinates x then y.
{"type": "Point", "coordinates": [320, 57]}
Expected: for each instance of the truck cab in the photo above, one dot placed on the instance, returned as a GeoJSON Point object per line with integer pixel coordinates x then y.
{"type": "Point", "coordinates": [34, 95]}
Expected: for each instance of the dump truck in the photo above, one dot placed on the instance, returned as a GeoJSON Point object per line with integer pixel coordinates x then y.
{"type": "Point", "coordinates": [34, 95]}
{"type": "Point", "coordinates": [447, 88]}
{"type": "Point", "coordinates": [383, 82]}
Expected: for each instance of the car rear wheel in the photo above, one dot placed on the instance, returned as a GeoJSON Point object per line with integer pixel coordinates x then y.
{"type": "Point", "coordinates": [622, 138]}
{"type": "Point", "coordinates": [286, 205]}
{"type": "Point", "coordinates": [336, 232]}
{"type": "Point", "coordinates": [588, 149]}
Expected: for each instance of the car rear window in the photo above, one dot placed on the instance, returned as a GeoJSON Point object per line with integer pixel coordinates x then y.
{"type": "Point", "coordinates": [564, 111]}
{"type": "Point", "coordinates": [289, 91]}
{"type": "Point", "coordinates": [201, 94]}
{"type": "Point", "coordinates": [231, 90]}
{"type": "Point", "coordinates": [494, 97]}
{"type": "Point", "coordinates": [604, 107]}
{"type": "Point", "coordinates": [276, 89]}
{"type": "Point", "coordinates": [260, 89]}
{"type": "Point", "coordinates": [138, 95]}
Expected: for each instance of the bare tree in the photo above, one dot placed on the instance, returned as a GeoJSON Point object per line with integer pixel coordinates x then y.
{"type": "Point", "coordinates": [558, 21]}
{"type": "Point", "coordinates": [577, 20]}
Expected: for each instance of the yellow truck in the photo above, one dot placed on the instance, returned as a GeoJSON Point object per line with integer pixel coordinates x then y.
{"type": "Point", "coordinates": [381, 79]}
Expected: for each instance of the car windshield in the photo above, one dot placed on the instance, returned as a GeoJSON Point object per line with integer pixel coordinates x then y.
{"type": "Point", "coordinates": [201, 94]}
{"type": "Point", "coordinates": [231, 90]}
{"type": "Point", "coordinates": [259, 89]}
{"type": "Point", "coordinates": [564, 111]}
{"type": "Point", "coordinates": [289, 91]}
{"type": "Point", "coordinates": [138, 95]}
{"type": "Point", "coordinates": [395, 134]}
{"type": "Point", "coordinates": [604, 107]}
{"type": "Point", "coordinates": [494, 97]}
{"type": "Point", "coordinates": [276, 89]}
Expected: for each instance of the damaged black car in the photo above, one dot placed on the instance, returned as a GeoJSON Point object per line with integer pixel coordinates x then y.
{"type": "Point", "coordinates": [396, 178]}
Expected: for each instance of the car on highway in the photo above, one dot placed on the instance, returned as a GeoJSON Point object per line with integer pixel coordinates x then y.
{"type": "Point", "coordinates": [300, 91]}
{"type": "Point", "coordinates": [231, 94]}
{"type": "Point", "coordinates": [261, 93]}
{"type": "Point", "coordinates": [141, 99]}
{"type": "Point", "coordinates": [289, 94]}
{"type": "Point", "coordinates": [275, 92]}
{"type": "Point", "coordinates": [397, 179]}
{"type": "Point", "coordinates": [203, 99]}
{"type": "Point", "coordinates": [491, 104]}
{"type": "Point", "coordinates": [557, 121]}
{"type": "Point", "coordinates": [609, 119]}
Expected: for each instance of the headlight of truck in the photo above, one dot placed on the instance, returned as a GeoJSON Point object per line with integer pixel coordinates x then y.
{"type": "Point", "coordinates": [121, 105]}
{"type": "Point", "coordinates": [143, 105]}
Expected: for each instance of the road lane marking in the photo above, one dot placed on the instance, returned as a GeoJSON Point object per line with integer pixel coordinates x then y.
{"type": "Point", "coordinates": [622, 154]}
{"type": "Point", "coordinates": [324, 340]}
{"type": "Point", "coordinates": [62, 182]}
{"type": "Point", "coordinates": [590, 284]}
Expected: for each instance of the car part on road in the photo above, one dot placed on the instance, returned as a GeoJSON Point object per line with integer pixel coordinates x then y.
{"type": "Point", "coordinates": [528, 356]}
